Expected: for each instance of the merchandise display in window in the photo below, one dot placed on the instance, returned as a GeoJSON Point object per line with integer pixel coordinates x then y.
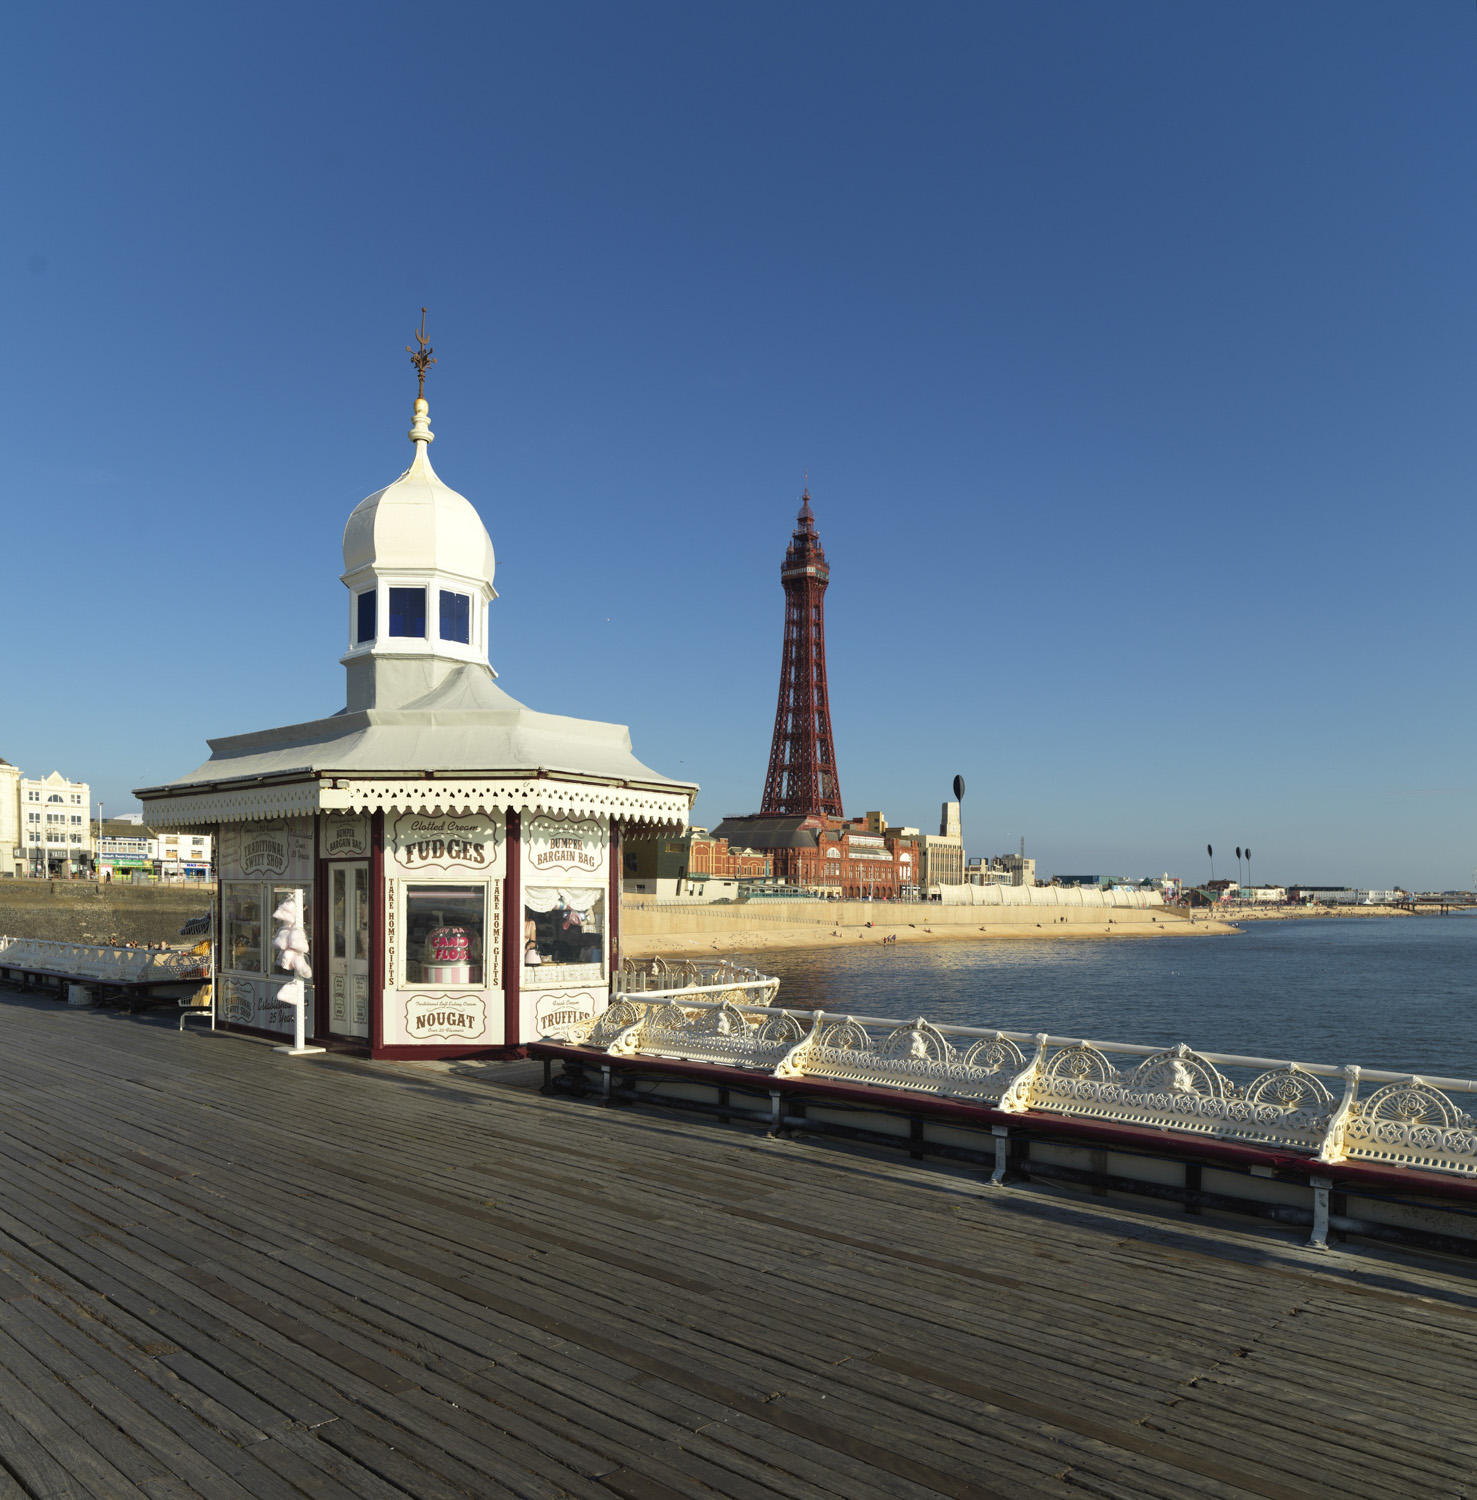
{"type": "Point", "coordinates": [444, 927]}
{"type": "Point", "coordinates": [243, 924]}
{"type": "Point", "coordinates": [563, 933]}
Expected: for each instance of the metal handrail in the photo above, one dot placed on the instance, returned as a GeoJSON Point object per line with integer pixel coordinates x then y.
{"type": "Point", "coordinates": [1406, 1120]}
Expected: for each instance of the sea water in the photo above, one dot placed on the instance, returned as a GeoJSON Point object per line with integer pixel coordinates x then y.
{"type": "Point", "coordinates": [1385, 992]}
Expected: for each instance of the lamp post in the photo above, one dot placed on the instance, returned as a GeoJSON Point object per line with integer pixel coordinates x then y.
{"type": "Point", "coordinates": [97, 853]}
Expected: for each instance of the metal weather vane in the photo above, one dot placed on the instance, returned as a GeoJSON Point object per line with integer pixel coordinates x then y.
{"type": "Point", "coordinates": [421, 358]}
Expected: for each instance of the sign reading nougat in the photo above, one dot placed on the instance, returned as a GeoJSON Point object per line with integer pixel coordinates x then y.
{"type": "Point", "coordinates": [426, 842]}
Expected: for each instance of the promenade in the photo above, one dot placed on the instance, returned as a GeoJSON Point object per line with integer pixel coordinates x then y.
{"type": "Point", "coordinates": [225, 1273]}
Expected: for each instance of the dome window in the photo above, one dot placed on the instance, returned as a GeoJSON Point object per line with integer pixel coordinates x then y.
{"type": "Point", "coordinates": [367, 616]}
{"type": "Point", "coordinates": [456, 617]}
{"type": "Point", "coordinates": [408, 612]}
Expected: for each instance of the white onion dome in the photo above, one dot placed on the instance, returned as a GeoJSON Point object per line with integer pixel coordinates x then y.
{"type": "Point", "coordinates": [419, 523]}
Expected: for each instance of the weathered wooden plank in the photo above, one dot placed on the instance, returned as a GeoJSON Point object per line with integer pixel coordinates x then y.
{"type": "Point", "coordinates": [59, 1423]}
{"type": "Point", "coordinates": [533, 1311]}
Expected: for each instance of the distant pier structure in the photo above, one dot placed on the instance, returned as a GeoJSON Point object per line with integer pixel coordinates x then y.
{"type": "Point", "coordinates": [802, 755]}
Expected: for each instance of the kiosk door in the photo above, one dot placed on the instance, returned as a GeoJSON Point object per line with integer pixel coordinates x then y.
{"type": "Point", "coordinates": [348, 1002]}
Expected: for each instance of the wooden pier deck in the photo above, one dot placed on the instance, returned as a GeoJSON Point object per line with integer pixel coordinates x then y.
{"type": "Point", "coordinates": [224, 1273]}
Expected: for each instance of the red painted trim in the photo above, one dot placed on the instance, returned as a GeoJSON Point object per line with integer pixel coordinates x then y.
{"type": "Point", "coordinates": [322, 979]}
{"type": "Point", "coordinates": [220, 930]}
{"type": "Point", "coordinates": [512, 932]}
{"type": "Point", "coordinates": [613, 901]}
{"type": "Point", "coordinates": [401, 1053]}
{"type": "Point", "coordinates": [1035, 1124]}
{"type": "Point", "coordinates": [377, 929]}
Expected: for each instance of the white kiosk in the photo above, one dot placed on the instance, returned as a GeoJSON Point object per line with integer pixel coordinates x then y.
{"type": "Point", "coordinates": [458, 853]}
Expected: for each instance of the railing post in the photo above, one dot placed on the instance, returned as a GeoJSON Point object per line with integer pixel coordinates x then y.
{"type": "Point", "coordinates": [1332, 1149]}
{"type": "Point", "coordinates": [1016, 1099]}
{"type": "Point", "coordinates": [1320, 1186]}
{"type": "Point", "coordinates": [1002, 1154]}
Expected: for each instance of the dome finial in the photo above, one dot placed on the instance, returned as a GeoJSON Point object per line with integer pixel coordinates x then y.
{"type": "Point", "coordinates": [420, 428]}
{"type": "Point", "coordinates": [421, 357]}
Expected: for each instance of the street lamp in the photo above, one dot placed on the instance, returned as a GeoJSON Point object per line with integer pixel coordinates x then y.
{"type": "Point", "coordinates": [97, 853]}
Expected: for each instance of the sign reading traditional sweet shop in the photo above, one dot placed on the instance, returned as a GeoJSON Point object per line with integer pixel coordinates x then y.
{"type": "Point", "coordinates": [429, 842]}
{"type": "Point", "coordinates": [567, 845]}
{"type": "Point", "coordinates": [452, 1018]}
{"type": "Point", "coordinates": [344, 836]}
{"type": "Point", "coordinates": [238, 1001]}
{"type": "Point", "coordinates": [263, 850]}
{"type": "Point", "coordinates": [268, 851]}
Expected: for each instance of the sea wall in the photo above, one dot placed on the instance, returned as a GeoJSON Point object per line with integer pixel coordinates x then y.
{"type": "Point", "coordinates": [1048, 895]}
{"type": "Point", "coordinates": [649, 927]}
{"type": "Point", "coordinates": [89, 911]}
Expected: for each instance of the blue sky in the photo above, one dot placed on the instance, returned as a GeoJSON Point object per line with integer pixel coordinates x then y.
{"type": "Point", "coordinates": [1130, 349]}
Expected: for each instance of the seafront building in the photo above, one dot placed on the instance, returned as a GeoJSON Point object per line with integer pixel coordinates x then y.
{"type": "Point", "coordinates": [128, 851]}
{"type": "Point", "coordinates": [1001, 869]}
{"type": "Point", "coordinates": [694, 866]}
{"type": "Point", "coordinates": [941, 854]}
{"type": "Point", "coordinates": [459, 854]}
{"type": "Point", "coordinates": [55, 827]}
{"type": "Point", "coordinates": [12, 850]}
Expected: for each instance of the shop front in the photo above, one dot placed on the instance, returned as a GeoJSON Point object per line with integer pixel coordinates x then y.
{"type": "Point", "coordinates": [457, 852]}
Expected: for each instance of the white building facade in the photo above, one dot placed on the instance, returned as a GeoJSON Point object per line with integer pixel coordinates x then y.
{"type": "Point", "coordinates": [12, 849]}
{"type": "Point", "coordinates": [182, 856]}
{"type": "Point", "coordinates": [56, 831]}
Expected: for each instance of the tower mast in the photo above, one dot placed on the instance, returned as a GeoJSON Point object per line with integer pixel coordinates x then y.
{"type": "Point", "coordinates": [802, 756]}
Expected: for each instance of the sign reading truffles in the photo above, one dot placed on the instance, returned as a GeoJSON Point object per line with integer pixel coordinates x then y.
{"type": "Point", "coordinates": [461, 846]}
{"type": "Point", "coordinates": [566, 846]}
{"type": "Point", "coordinates": [565, 1008]}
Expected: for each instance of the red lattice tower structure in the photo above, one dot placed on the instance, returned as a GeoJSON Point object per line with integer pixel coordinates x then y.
{"type": "Point", "coordinates": [802, 756]}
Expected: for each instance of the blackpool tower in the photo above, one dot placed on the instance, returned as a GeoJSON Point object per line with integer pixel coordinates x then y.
{"type": "Point", "coordinates": [802, 757]}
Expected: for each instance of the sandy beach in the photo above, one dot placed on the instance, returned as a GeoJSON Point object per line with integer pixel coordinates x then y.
{"type": "Point", "coordinates": [744, 939]}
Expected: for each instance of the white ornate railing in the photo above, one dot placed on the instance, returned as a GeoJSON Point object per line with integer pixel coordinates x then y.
{"type": "Point", "coordinates": [713, 978]}
{"type": "Point", "coordinates": [1407, 1120]}
{"type": "Point", "coordinates": [103, 962]}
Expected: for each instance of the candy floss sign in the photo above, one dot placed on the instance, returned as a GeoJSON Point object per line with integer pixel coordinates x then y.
{"type": "Point", "coordinates": [422, 842]}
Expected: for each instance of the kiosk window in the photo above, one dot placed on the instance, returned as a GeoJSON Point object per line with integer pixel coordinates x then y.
{"type": "Point", "coordinates": [408, 612]}
{"type": "Point", "coordinates": [456, 617]}
{"type": "Point", "coordinates": [367, 612]}
{"type": "Point", "coordinates": [244, 923]}
{"type": "Point", "coordinates": [563, 926]}
{"type": "Point", "coordinates": [444, 933]}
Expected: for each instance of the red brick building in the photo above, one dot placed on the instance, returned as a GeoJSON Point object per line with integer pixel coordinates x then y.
{"type": "Point", "coordinates": [713, 856]}
{"type": "Point", "coordinates": [854, 859]}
